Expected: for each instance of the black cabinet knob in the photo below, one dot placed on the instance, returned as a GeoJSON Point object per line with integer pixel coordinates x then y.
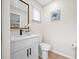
{"type": "Point", "coordinates": [30, 51]}
{"type": "Point", "coordinates": [27, 53]}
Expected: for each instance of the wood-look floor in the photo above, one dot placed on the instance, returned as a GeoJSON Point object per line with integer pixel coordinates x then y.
{"type": "Point", "coordinates": [52, 55]}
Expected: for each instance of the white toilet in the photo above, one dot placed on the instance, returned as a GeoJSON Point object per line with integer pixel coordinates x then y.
{"type": "Point", "coordinates": [45, 48]}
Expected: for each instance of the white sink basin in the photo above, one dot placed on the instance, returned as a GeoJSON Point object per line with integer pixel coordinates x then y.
{"type": "Point", "coordinates": [17, 37]}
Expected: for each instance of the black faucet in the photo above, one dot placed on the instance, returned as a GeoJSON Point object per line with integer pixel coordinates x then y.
{"type": "Point", "coordinates": [21, 31]}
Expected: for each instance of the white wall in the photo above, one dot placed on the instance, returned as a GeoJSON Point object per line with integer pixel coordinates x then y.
{"type": "Point", "coordinates": [5, 29]}
{"type": "Point", "coordinates": [61, 33]}
{"type": "Point", "coordinates": [36, 27]}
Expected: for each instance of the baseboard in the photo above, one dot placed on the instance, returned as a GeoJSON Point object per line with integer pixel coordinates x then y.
{"type": "Point", "coordinates": [57, 52]}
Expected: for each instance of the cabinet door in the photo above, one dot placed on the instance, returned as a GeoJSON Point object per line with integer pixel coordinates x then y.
{"type": "Point", "coordinates": [28, 52]}
{"type": "Point", "coordinates": [21, 54]}
{"type": "Point", "coordinates": [33, 51]}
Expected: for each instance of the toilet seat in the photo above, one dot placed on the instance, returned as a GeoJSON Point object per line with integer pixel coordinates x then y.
{"type": "Point", "coordinates": [45, 46]}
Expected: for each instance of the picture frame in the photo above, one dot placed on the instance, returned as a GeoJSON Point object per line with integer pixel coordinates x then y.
{"type": "Point", "coordinates": [55, 15]}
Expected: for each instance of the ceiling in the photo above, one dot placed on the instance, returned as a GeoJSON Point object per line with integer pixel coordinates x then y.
{"type": "Point", "coordinates": [44, 2]}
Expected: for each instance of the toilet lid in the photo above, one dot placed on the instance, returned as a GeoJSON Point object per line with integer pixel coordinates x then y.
{"type": "Point", "coordinates": [45, 46]}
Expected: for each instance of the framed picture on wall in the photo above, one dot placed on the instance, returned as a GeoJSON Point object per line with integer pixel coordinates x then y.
{"type": "Point", "coordinates": [55, 15]}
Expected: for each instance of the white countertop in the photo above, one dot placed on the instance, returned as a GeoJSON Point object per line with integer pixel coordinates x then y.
{"type": "Point", "coordinates": [16, 37]}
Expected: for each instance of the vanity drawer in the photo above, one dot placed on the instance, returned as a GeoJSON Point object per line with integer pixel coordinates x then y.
{"type": "Point", "coordinates": [15, 46]}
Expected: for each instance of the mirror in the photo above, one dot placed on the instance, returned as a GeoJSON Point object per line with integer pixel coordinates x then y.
{"type": "Point", "coordinates": [19, 14]}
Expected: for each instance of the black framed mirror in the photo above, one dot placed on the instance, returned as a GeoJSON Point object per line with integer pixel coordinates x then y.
{"type": "Point", "coordinates": [19, 15]}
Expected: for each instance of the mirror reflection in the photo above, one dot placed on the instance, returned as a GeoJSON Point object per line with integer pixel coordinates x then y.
{"type": "Point", "coordinates": [19, 14]}
{"type": "Point", "coordinates": [14, 20]}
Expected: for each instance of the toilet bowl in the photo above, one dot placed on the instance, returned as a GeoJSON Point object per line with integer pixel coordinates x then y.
{"type": "Point", "coordinates": [45, 48]}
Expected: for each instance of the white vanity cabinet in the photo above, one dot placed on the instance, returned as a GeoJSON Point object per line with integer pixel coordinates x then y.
{"type": "Point", "coordinates": [27, 48]}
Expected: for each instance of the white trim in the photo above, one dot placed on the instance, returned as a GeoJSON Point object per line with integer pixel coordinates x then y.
{"type": "Point", "coordinates": [57, 52]}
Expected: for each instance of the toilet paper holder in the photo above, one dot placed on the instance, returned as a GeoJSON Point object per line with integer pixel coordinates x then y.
{"type": "Point", "coordinates": [74, 45]}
